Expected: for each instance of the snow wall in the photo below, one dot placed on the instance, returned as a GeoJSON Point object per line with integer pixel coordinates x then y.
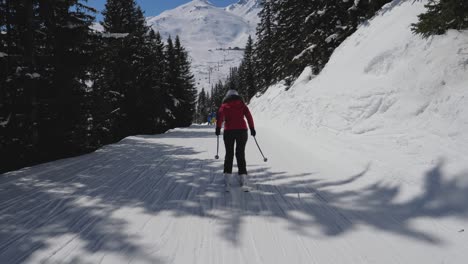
{"type": "Point", "coordinates": [385, 92]}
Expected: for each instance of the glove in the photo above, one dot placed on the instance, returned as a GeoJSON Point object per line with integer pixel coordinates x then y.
{"type": "Point", "coordinates": [253, 132]}
{"type": "Point", "coordinates": [218, 131]}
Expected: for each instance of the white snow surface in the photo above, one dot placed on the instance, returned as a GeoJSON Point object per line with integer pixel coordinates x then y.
{"type": "Point", "coordinates": [247, 9]}
{"type": "Point", "coordinates": [367, 164]}
{"type": "Point", "coordinates": [210, 34]}
{"type": "Point", "coordinates": [388, 95]}
{"type": "Point", "coordinates": [160, 199]}
{"type": "Point", "coordinates": [97, 27]}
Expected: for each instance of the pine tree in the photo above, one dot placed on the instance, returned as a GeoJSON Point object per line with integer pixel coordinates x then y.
{"type": "Point", "coordinates": [294, 34]}
{"type": "Point", "coordinates": [185, 87]}
{"type": "Point", "coordinates": [18, 105]}
{"type": "Point", "coordinates": [264, 46]}
{"type": "Point", "coordinates": [151, 107]}
{"type": "Point", "coordinates": [3, 24]}
{"type": "Point", "coordinates": [290, 17]}
{"type": "Point", "coordinates": [5, 65]}
{"type": "Point", "coordinates": [217, 95]}
{"type": "Point", "coordinates": [441, 16]}
{"type": "Point", "coordinates": [69, 23]}
{"type": "Point", "coordinates": [124, 16]}
{"type": "Point", "coordinates": [326, 29]}
{"type": "Point", "coordinates": [248, 86]}
{"type": "Point", "coordinates": [171, 78]}
{"type": "Point", "coordinates": [103, 99]}
{"type": "Point", "coordinates": [49, 45]}
{"type": "Point", "coordinates": [310, 13]}
{"type": "Point", "coordinates": [242, 82]}
{"type": "Point", "coordinates": [124, 61]}
{"type": "Point", "coordinates": [158, 83]}
{"type": "Point", "coordinates": [202, 107]}
{"type": "Point", "coordinates": [233, 81]}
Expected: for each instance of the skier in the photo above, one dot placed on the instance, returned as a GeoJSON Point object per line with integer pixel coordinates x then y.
{"type": "Point", "coordinates": [213, 120]}
{"type": "Point", "coordinates": [209, 118]}
{"type": "Point", "coordinates": [232, 113]}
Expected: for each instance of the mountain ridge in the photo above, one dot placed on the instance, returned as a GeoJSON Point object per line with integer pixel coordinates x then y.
{"type": "Point", "coordinates": [209, 34]}
{"type": "Point", "coordinates": [213, 36]}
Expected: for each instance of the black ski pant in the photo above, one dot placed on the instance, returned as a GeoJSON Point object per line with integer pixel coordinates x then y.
{"type": "Point", "coordinates": [239, 139]}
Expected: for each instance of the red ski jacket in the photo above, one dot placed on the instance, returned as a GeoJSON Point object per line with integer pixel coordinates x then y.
{"type": "Point", "coordinates": [232, 112]}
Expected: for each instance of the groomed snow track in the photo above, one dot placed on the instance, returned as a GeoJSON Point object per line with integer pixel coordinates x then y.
{"type": "Point", "coordinates": [160, 199]}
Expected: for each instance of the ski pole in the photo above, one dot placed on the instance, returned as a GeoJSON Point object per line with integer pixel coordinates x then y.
{"type": "Point", "coordinates": [217, 148]}
{"type": "Point", "coordinates": [264, 159]}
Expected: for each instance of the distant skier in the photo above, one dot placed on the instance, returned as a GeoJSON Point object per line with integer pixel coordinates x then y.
{"type": "Point", "coordinates": [209, 118]}
{"type": "Point", "coordinates": [232, 113]}
{"type": "Point", "coordinates": [213, 119]}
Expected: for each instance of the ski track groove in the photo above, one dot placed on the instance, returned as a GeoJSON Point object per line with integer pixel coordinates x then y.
{"type": "Point", "coordinates": [323, 210]}
{"type": "Point", "coordinates": [323, 205]}
{"type": "Point", "coordinates": [149, 189]}
{"type": "Point", "coordinates": [346, 218]}
{"type": "Point", "coordinates": [252, 220]}
{"type": "Point", "coordinates": [332, 213]}
{"type": "Point", "coordinates": [102, 258]}
{"type": "Point", "coordinates": [51, 215]}
{"type": "Point", "coordinates": [161, 198]}
{"type": "Point", "coordinates": [10, 177]}
{"type": "Point", "coordinates": [78, 203]}
{"type": "Point", "coordinates": [272, 230]}
{"type": "Point", "coordinates": [300, 205]}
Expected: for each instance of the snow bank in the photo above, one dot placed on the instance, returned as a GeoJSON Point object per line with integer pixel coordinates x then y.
{"type": "Point", "coordinates": [97, 27]}
{"type": "Point", "coordinates": [385, 93]}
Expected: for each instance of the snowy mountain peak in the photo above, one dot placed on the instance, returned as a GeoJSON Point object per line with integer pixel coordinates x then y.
{"type": "Point", "coordinates": [214, 36]}
{"type": "Point", "coordinates": [192, 6]}
{"type": "Point", "coordinates": [247, 9]}
{"type": "Point", "coordinates": [246, 4]}
{"type": "Point", "coordinates": [199, 3]}
{"type": "Point", "coordinates": [202, 2]}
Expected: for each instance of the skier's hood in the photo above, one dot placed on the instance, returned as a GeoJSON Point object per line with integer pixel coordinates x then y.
{"type": "Point", "coordinates": [232, 95]}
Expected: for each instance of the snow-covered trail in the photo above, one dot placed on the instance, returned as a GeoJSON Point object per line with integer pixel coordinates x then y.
{"type": "Point", "coordinates": [160, 199]}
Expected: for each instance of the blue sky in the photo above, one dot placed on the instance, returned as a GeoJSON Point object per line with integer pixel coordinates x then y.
{"type": "Point", "coordinates": [156, 7]}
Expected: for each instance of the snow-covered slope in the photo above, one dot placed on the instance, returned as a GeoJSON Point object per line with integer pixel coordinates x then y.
{"type": "Point", "coordinates": [97, 27]}
{"type": "Point", "coordinates": [160, 199]}
{"type": "Point", "coordinates": [247, 9]}
{"type": "Point", "coordinates": [367, 164]}
{"type": "Point", "coordinates": [210, 34]}
{"type": "Point", "coordinates": [386, 93]}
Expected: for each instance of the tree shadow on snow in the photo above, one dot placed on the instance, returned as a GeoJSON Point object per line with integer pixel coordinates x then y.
{"type": "Point", "coordinates": [196, 131]}
{"type": "Point", "coordinates": [80, 202]}
{"type": "Point", "coordinates": [339, 212]}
